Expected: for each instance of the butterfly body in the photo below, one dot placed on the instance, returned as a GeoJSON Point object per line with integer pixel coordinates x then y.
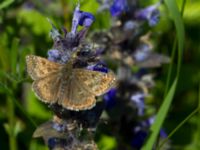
{"type": "Point", "coordinates": [72, 88]}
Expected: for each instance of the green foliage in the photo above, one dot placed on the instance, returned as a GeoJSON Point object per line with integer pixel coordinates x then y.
{"type": "Point", "coordinates": [107, 143]}
{"type": "Point", "coordinates": [37, 21]}
{"type": "Point", "coordinates": [155, 128]}
{"type": "Point", "coordinates": [6, 3]}
{"type": "Point", "coordinates": [25, 31]}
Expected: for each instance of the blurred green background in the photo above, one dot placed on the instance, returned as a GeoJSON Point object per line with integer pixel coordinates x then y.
{"type": "Point", "coordinates": [24, 30]}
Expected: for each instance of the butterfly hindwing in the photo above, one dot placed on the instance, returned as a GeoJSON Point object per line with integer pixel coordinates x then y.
{"type": "Point", "coordinates": [74, 97]}
{"type": "Point", "coordinates": [95, 82]}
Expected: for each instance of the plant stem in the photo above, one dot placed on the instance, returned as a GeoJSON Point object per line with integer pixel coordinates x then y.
{"type": "Point", "coordinates": [11, 122]}
{"type": "Point", "coordinates": [178, 127]}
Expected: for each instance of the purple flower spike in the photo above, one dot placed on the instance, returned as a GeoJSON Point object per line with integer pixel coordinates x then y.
{"type": "Point", "coordinates": [118, 7]}
{"type": "Point", "coordinates": [150, 13]}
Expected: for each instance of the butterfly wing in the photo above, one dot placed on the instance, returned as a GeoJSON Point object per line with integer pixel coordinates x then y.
{"type": "Point", "coordinates": [74, 96]}
{"type": "Point", "coordinates": [47, 131]}
{"type": "Point", "coordinates": [47, 88]}
{"type": "Point", "coordinates": [38, 67]}
{"type": "Point", "coordinates": [95, 82]}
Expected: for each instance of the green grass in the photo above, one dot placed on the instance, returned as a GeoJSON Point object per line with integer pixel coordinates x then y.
{"type": "Point", "coordinates": [26, 32]}
{"type": "Point", "coordinates": [162, 113]}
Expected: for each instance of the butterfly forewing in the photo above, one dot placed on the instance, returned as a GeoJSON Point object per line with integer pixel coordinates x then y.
{"type": "Point", "coordinates": [38, 67]}
{"type": "Point", "coordinates": [95, 82]}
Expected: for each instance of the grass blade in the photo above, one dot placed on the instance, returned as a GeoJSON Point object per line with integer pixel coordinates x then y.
{"type": "Point", "coordinates": [155, 128]}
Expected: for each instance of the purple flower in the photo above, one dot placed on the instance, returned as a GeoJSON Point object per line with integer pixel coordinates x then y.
{"type": "Point", "coordinates": [118, 7]}
{"type": "Point", "coordinates": [58, 56]}
{"type": "Point", "coordinates": [142, 52]}
{"type": "Point", "coordinates": [150, 14]}
{"type": "Point", "coordinates": [130, 25]}
{"type": "Point", "coordinates": [54, 142]}
{"type": "Point", "coordinates": [28, 5]}
{"type": "Point", "coordinates": [81, 18]}
{"type": "Point", "coordinates": [65, 45]}
{"type": "Point", "coordinates": [54, 55]}
{"type": "Point", "coordinates": [140, 133]}
{"type": "Point", "coordinates": [86, 19]}
{"type": "Point", "coordinates": [154, 19]}
{"type": "Point", "coordinates": [75, 20]}
{"type": "Point", "coordinates": [101, 67]}
{"type": "Point", "coordinates": [138, 100]}
{"type": "Point", "coordinates": [163, 134]}
{"type": "Point", "coordinates": [138, 139]}
{"type": "Point", "coordinates": [59, 127]}
{"type": "Point", "coordinates": [110, 98]}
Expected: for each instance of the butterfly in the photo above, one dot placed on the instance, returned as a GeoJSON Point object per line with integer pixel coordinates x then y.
{"type": "Point", "coordinates": [72, 88]}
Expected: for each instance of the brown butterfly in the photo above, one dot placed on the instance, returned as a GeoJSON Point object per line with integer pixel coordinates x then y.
{"type": "Point", "coordinates": [72, 88]}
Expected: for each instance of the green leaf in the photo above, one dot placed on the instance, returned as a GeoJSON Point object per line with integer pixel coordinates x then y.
{"type": "Point", "coordinates": [107, 143]}
{"type": "Point", "coordinates": [37, 145]}
{"type": "Point", "coordinates": [38, 22]}
{"type": "Point", "coordinates": [18, 127]}
{"type": "Point", "coordinates": [90, 6]}
{"type": "Point", "coordinates": [34, 106]}
{"type": "Point", "coordinates": [22, 63]}
{"type": "Point", "coordinates": [191, 13]}
{"type": "Point", "coordinates": [5, 56]}
{"type": "Point", "coordinates": [6, 4]}
{"type": "Point", "coordinates": [4, 89]}
{"type": "Point", "coordinates": [178, 127]}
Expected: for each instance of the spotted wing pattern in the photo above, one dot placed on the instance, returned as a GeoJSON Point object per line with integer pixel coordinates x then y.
{"type": "Point", "coordinates": [74, 96]}
{"type": "Point", "coordinates": [38, 67]}
{"type": "Point", "coordinates": [95, 82]}
{"type": "Point", "coordinates": [47, 88]}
